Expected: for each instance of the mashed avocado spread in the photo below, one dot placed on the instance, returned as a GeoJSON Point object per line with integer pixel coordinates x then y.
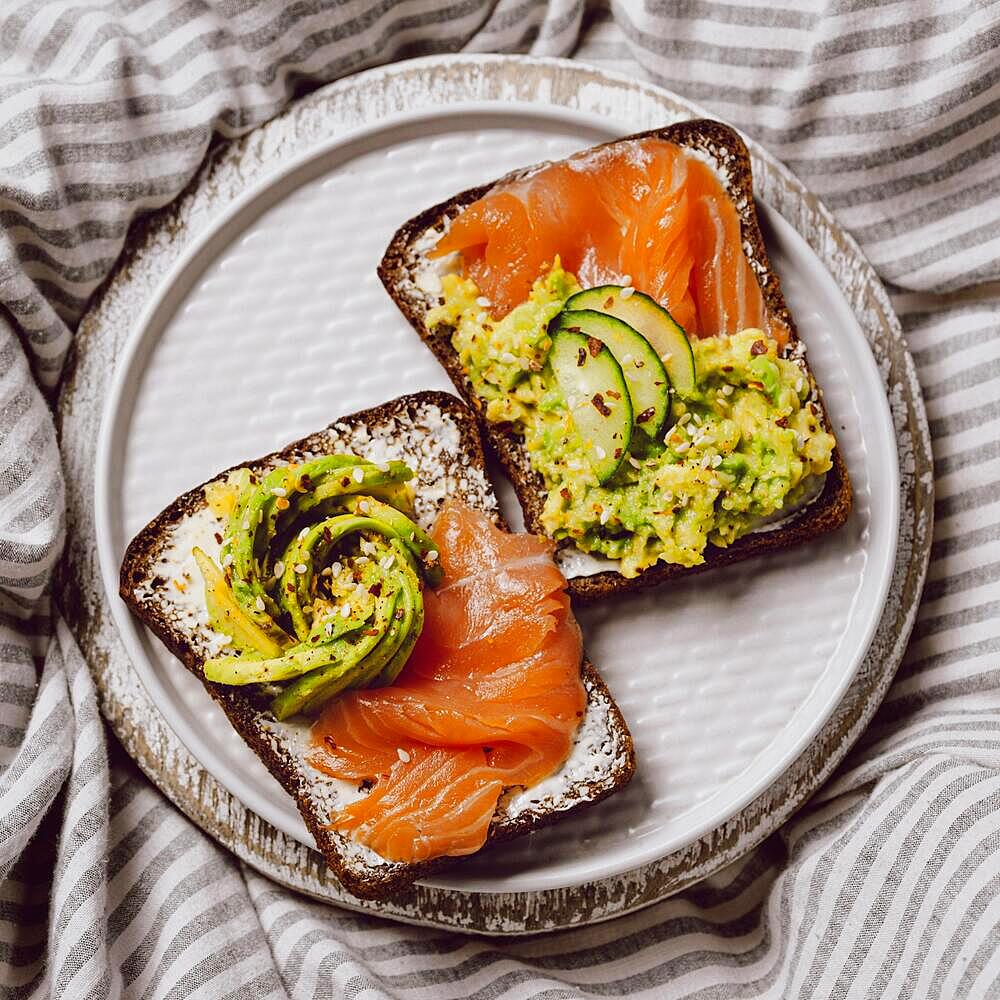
{"type": "Point", "coordinates": [744, 445]}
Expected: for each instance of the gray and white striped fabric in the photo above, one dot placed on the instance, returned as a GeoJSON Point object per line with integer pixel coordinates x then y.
{"type": "Point", "coordinates": [888, 884]}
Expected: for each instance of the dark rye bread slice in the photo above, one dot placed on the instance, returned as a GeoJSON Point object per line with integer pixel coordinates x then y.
{"type": "Point", "coordinates": [408, 277]}
{"type": "Point", "coordinates": [437, 436]}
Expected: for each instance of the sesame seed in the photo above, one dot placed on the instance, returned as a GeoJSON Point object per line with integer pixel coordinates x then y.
{"type": "Point", "coordinates": [227, 559]}
{"type": "Point", "coordinates": [665, 358]}
{"type": "Point", "coordinates": [361, 560]}
{"type": "Point", "coordinates": [246, 525]}
{"type": "Point", "coordinates": [697, 419]}
{"type": "Point", "coordinates": [259, 604]}
{"type": "Point", "coordinates": [507, 358]}
{"type": "Point", "coordinates": [481, 318]}
{"type": "Point", "coordinates": [345, 611]}
{"type": "Point", "coordinates": [716, 461]}
{"type": "Point", "coordinates": [335, 567]}
{"type": "Point", "coordinates": [605, 516]}
{"type": "Point", "coordinates": [358, 474]}
{"type": "Point", "coordinates": [627, 292]}
{"type": "Point", "coordinates": [432, 555]}
{"type": "Point", "coordinates": [304, 532]}
{"type": "Point", "coordinates": [279, 568]}
{"type": "Point", "coordinates": [328, 628]}
{"type": "Point", "coordinates": [300, 568]}
{"type": "Point", "coordinates": [364, 506]}
{"type": "Point", "coordinates": [727, 390]}
{"type": "Point", "coordinates": [279, 491]}
{"type": "Point", "coordinates": [387, 562]}
{"type": "Point", "coordinates": [682, 447]}
{"type": "Point", "coordinates": [403, 755]}
{"type": "Point", "coordinates": [627, 280]}
{"type": "Point", "coordinates": [326, 571]}
{"type": "Point", "coordinates": [483, 302]}
{"type": "Point", "coordinates": [635, 463]}
{"type": "Point", "coordinates": [599, 451]}
{"type": "Point", "coordinates": [684, 418]}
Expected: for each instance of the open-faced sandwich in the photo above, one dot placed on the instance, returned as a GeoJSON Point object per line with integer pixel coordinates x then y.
{"type": "Point", "coordinates": [406, 668]}
{"type": "Point", "coordinates": [614, 321]}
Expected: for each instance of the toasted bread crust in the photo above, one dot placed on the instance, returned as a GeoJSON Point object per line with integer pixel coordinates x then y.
{"type": "Point", "coordinates": [725, 147]}
{"type": "Point", "coordinates": [248, 718]}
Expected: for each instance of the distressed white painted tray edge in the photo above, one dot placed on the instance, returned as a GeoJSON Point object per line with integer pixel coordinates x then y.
{"type": "Point", "coordinates": [378, 94]}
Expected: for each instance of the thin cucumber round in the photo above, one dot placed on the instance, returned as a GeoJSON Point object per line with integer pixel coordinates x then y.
{"type": "Point", "coordinates": [597, 397]}
{"type": "Point", "coordinates": [648, 384]}
{"type": "Point", "coordinates": [649, 318]}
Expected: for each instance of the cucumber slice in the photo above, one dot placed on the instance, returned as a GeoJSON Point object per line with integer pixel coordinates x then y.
{"type": "Point", "coordinates": [648, 384]}
{"type": "Point", "coordinates": [651, 320]}
{"type": "Point", "coordinates": [596, 394]}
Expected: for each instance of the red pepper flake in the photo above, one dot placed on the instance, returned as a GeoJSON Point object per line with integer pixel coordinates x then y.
{"type": "Point", "coordinates": [594, 346]}
{"type": "Point", "coordinates": [613, 394]}
{"type": "Point", "coordinates": [345, 482]}
{"type": "Point", "coordinates": [375, 589]}
{"type": "Point", "coordinates": [329, 741]}
{"type": "Point", "coordinates": [218, 538]}
{"type": "Point", "coordinates": [727, 368]}
{"type": "Point", "coordinates": [581, 358]}
{"type": "Point", "coordinates": [602, 408]}
{"type": "Point", "coordinates": [813, 410]}
{"type": "Point", "coordinates": [758, 347]}
{"type": "Point", "coordinates": [565, 494]}
{"type": "Point", "coordinates": [609, 302]}
{"type": "Point", "coordinates": [618, 453]}
{"type": "Point", "coordinates": [782, 421]}
{"type": "Point", "coordinates": [756, 385]}
{"type": "Point", "coordinates": [646, 414]}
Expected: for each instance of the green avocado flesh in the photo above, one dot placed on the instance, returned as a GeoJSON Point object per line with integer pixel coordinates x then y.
{"type": "Point", "coordinates": [742, 437]}
{"type": "Point", "coordinates": [319, 588]}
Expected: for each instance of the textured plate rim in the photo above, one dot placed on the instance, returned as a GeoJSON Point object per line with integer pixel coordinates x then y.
{"type": "Point", "coordinates": [662, 882]}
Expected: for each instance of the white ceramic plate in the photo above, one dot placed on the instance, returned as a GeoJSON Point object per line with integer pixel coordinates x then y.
{"type": "Point", "coordinates": [273, 323]}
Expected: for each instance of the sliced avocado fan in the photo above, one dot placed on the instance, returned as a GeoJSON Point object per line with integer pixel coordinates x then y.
{"type": "Point", "coordinates": [321, 586]}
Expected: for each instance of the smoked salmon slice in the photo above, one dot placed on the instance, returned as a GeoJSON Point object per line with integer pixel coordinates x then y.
{"type": "Point", "coordinates": [647, 212]}
{"type": "Point", "coordinates": [491, 698]}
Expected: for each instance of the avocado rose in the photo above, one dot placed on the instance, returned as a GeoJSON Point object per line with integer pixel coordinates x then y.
{"type": "Point", "coordinates": [319, 588]}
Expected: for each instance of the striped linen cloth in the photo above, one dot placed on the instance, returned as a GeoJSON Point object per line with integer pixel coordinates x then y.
{"type": "Point", "coordinates": [888, 884]}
